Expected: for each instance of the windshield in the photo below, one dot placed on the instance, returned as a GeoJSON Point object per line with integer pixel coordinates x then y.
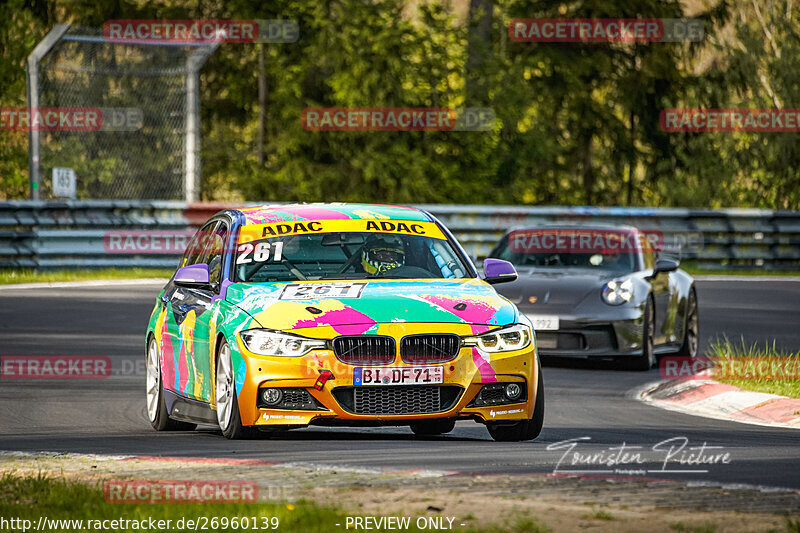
{"type": "Point", "coordinates": [313, 253]}
{"type": "Point", "coordinates": [611, 250]}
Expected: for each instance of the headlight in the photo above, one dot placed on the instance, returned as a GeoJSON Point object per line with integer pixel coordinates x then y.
{"type": "Point", "coordinates": [508, 339]}
{"type": "Point", "coordinates": [618, 292]}
{"type": "Point", "coordinates": [267, 342]}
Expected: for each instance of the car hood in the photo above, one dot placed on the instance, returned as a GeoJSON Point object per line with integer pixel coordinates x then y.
{"type": "Point", "coordinates": [565, 288]}
{"type": "Point", "coordinates": [470, 301]}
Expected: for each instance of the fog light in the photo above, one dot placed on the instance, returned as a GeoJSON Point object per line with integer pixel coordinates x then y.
{"type": "Point", "coordinates": [513, 391]}
{"type": "Point", "coordinates": [271, 396]}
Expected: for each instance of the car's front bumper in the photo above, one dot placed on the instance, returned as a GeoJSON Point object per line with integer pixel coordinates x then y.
{"type": "Point", "coordinates": [619, 334]}
{"type": "Point", "coordinates": [464, 376]}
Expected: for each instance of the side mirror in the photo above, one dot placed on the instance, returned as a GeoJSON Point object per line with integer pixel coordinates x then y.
{"type": "Point", "coordinates": [498, 271]}
{"type": "Point", "coordinates": [192, 276]}
{"type": "Point", "coordinates": [666, 264]}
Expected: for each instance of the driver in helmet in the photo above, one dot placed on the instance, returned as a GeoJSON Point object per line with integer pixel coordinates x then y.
{"type": "Point", "coordinates": [382, 253]}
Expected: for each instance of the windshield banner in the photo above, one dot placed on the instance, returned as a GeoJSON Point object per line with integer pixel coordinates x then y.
{"type": "Point", "coordinates": [256, 232]}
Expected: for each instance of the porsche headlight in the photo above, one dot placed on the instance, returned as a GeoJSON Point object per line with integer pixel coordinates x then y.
{"type": "Point", "coordinates": [268, 342]}
{"type": "Point", "coordinates": [618, 292]}
{"type": "Point", "coordinates": [507, 339]}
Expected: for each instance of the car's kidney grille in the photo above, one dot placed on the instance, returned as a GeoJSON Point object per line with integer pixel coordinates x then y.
{"type": "Point", "coordinates": [426, 349]}
{"type": "Point", "coordinates": [397, 400]}
{"type": "Point", "coordinates": [364, 349]}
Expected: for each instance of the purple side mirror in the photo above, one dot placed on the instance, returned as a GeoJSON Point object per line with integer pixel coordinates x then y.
{"type": "Point", "coordinates": [192, 276]}
{"type": "Point", "coordinates": [498, 271]}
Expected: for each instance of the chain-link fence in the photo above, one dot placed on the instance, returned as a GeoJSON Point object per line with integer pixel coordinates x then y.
{"type": "Point", "coordinates": [154, 83]}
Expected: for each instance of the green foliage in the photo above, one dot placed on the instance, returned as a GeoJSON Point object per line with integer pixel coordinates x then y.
{"type": "Point", "coordinates": [723, 351]}
{"type": "Point", "coordinates": [577, 123]}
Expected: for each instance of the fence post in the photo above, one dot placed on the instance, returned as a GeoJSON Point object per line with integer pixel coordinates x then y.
{"type": "Point", "coordinates": [41, 50]}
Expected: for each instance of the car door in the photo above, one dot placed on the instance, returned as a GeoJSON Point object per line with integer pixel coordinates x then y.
{"type": "Point", "coordinates": [206, 304]}
{"type": "Point", "coordinates": [191, 311]}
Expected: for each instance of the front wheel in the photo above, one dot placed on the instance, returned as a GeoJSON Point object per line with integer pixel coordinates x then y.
{"type": "Point", "coordinates": [525, 429]}
{"type": "Point", "coordinates": [156, 406]}
{"type": "Point", "coordinates": [228, 417]}
{"type": "Point", "coordinates": [647, 359]}
{"type": "Point", "coordinates": [691, 337]}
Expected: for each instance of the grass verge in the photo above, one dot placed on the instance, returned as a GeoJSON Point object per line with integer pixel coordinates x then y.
{"type": "Point", "coordinates": [694, 269]}
{"type": "Point", "coordinates": [722, 351]}
{"type": "Point", "coordinates": [9, 277]}
{"type": "Point", "coordinates": [77, 506]}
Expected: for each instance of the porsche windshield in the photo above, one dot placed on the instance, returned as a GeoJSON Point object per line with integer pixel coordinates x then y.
{"type": "Point", "coordinates": [347, 255]}
{"type": "Point", "coordinates": [613, 250]}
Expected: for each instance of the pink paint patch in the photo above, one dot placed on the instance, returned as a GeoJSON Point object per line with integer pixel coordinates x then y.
{"type": "Point", "coordinates": [183, 369]}
{"type": "Point", "coordinates": [476, 312]}
{"type": "Point", "coordinates": [352, 329]}
{"type": "Point", "coordinates": [167, 357]}
{"type": "Point", "coordinates": [315, 213]}
{"type": "Point", "coordinates": [347, 319]}
{"type": "Point", "coordinates": [263, 217]}
{"type": "Point", "coordinates": [486, 370]}
{"type": "Point", "coordinates": [480, 329]}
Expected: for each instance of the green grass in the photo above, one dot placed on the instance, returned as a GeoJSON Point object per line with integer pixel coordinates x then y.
{"type": "Point", "coordinates": [600, 515]}
{"type": "Point", "coordinates": [692, 268]}
{"type": "Point", "coordinates": [32, 497]}
{"type": "Point", "coordinates": [8, 277]}
{"type": "Point", "coordinates": [703, 528]}
{"type": "Point", "coordinates": [725, 350]}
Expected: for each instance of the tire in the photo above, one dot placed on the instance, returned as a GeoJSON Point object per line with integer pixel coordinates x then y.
{"type": "Point", "coordinates": [228, 416]}
{"type": "Point", "coordinates": [647, 359]}
{"type": "Point", "coordinates": [433, 427]}
{"type": "Point", "coordinates": [691, 335]}
{"type": "Point", "coordinates": [156, 406]}
{"type": "Point", "coordinates": [525, 429]}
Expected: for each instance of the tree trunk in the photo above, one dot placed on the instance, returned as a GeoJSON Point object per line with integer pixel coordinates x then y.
{"type": "Point", "coordinates": [262, 103]}
{"type": "Point", "coordinates": [479, 25]}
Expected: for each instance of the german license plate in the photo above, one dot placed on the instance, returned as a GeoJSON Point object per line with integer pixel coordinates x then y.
{"type": "Point", "coordinates": [397, 375]}
{"type": "Point", "coordinates": [544, 322]}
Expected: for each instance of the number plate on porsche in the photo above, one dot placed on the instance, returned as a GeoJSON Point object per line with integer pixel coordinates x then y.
{"type": "Point", "coordinates": [397, 375]}
{"type": "Point", "coordinates": [544, 322]}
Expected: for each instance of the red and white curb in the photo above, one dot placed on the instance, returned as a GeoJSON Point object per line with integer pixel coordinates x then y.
{"type": "Point", "coordinates": [709, 398]}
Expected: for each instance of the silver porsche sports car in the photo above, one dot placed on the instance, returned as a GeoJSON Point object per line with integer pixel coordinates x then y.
{"type": "Point", "coordinates": [601, 291]}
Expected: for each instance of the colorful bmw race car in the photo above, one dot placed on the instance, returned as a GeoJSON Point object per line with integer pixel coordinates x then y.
{"type": "Point", "coordinates": [338, 314]}
{"type": "Point", "coordinates": [596, 290]}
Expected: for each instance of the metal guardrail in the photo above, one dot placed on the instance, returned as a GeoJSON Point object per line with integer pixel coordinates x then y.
{"type": "Point", "coordinates": [72, 234]}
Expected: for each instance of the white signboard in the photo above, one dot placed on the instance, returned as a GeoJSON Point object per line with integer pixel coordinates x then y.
{"type": "Point", "coordinates": [64, 182]}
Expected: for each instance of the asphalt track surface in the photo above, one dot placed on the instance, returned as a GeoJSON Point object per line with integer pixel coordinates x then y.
{"type": "Point", "coordinates": [582, 399]}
